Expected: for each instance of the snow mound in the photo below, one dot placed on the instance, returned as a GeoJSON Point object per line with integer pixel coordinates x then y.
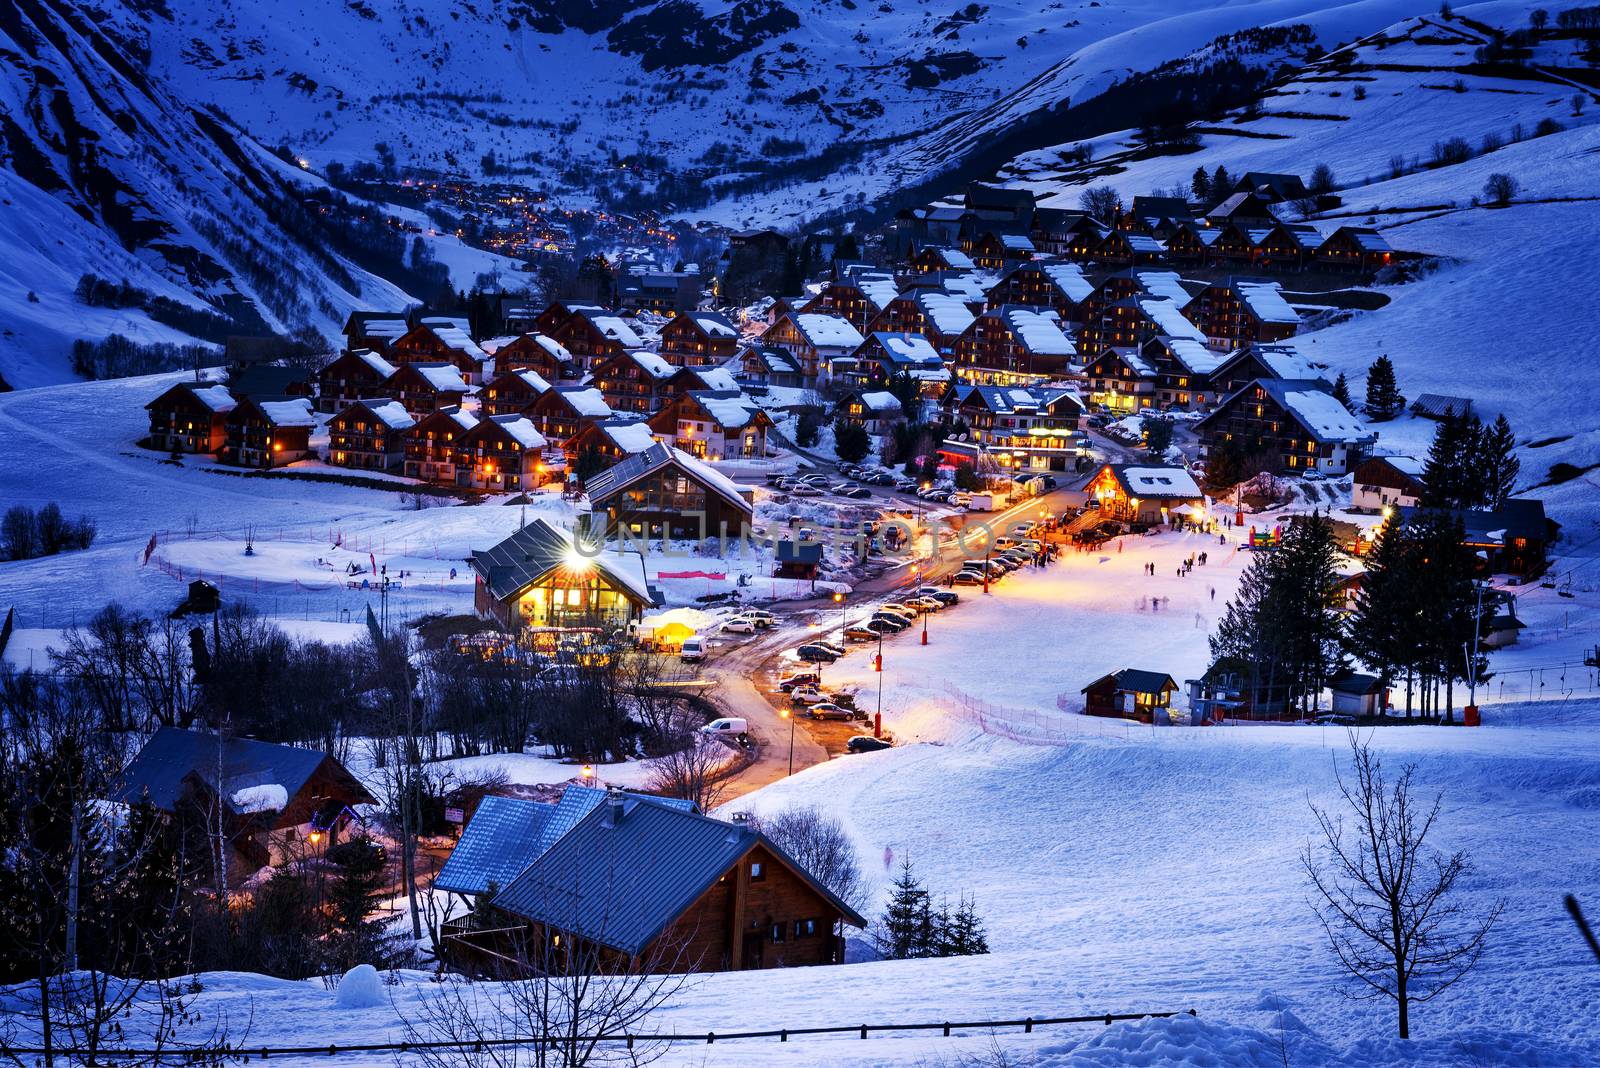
{"type": "Point", "coordinates": [361, 988]}
{"type": "Point", "coordinates": [1192, 1040]}
{"type": "Point", "coordinates": [267, 797]}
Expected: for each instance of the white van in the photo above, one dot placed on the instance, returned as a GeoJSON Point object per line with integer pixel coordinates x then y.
{"type": "Point", "coordinates": [694, 649]}
{"type": "Point", "coordinates": [728, 726]}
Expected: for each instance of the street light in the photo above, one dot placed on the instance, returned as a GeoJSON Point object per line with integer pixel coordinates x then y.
{"type": "Point", "coordinates": [788, 714]}
{"type": "Point", "coordinates": [838, 599]}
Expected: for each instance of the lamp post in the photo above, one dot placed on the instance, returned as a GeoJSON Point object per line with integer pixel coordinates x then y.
{"type": "Point", "coordinates": [877, 719]}
{"type": "Point", "coordinates": [788, 714]}
{"type": "Point", "coordinates": [838, 599]}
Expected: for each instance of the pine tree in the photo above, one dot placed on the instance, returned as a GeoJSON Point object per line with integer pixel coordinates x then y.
{"type": "Point", "coordinates": [905, 930]}
{"type": "Point", "coordinates": [1380, 629]}
{"type": "Point", "coordinates": [1384, 400]}
{"type": "Point", "coordinates": [961, 932]}
{"type": "Point", "coordinates": [1453, 476]}
{"type": "Point", "coordinates": [1221, 183]}
{"type": "Point", "coordinates": [1200, 185]}
{"type": "Point", "coordinates": [355, 935]}
{"type": "Point", "coordinates": [1501, 466]}
{"type": "Point", "coordinates": [1341, 392]}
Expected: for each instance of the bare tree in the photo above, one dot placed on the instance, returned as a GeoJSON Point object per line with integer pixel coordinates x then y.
{"type": "Point", "coordinates": [1101, 203]}
{"type": "Point", "coordinates": [697, 768]}
{"type": "Point", "coordinates": [1500, 189]}
{"type": "Point", "coordinates": [1388, 902]}
{"type": "Point", "coordinates": [819, 844]}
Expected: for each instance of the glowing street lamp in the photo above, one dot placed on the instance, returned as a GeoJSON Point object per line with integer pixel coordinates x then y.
{"type": "Point", "coordinates": [788, 714]}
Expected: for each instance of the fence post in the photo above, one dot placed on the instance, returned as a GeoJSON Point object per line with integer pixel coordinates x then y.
{"type": "Point", "coordinates": [1027, 1026]}
{"type": "Point", "coordinates": [783, 1036]}
{"type": "Point", "coordinates": [863, 1031]}
{"type": "Point", "coordinates": [711, 1036]}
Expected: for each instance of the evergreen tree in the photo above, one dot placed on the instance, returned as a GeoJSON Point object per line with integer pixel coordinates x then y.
{"type": "Point", "coordinates": [1501, 466]}
{"type": "Point", "coordinates": [1200, 185]}
{"type": "Point", "coordinates": [908, 391]}
{"type": "Point", "coordinates": [1381, 629]}
{"type": "Point", "coordinates": [1384, 400]}
{"type": "Point", "coordinates": [961, 933]}
{"type": "Point", "coordinates": [906, 927]}
{"type": "Point", "coordinates": [1454, 475]}
{"type": "Point", "coordinates": [807, 429]}
{"type": "Point", "coordinates": [355, 934]}
{"type": "Point", "coordinates": [1341, 392]}
{"type": "Point", "coordinates": [850, 441]}
{"type": "Point", "coordinates": [1221, 183]}
{"type": "Point", "coordinates": [589, 463]}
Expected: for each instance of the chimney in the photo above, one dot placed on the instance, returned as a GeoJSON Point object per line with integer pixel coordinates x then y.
{"type": "Point", "coordinates": [614, 806]}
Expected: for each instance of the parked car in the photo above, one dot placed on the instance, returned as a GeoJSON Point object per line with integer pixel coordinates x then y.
{"type": "Point", "coordinates": [813, 653]}
{"type": "Point", "coordinates": [739, 625]}
{"type": "Point", "coordinates": [727, 726]}
{"type": "Point", "coordinates": [947, 597]}
{"type": "Point", "coordinates": [803, 490]}
{"type": "Point", "coordinates": [833, 647]}
{"type": "Point", "coordinates": [799, 678]}
{"type": "Point", "coordinates": [760, 617]}
{"type": "Point", "coordinates": [906, 485]}
{"type": "Point", "coordinates": [879, 627]}
{"type": "Point", "coordinates": [927, 604]}
{"type": "Point", "coordinates": [900, 610]}
{"type": "Point", "coordinates": [829, 710]}
{"type": "Point", "coordinates": [893, 621]}
{"type": "Point", "coordinates": [860, 633]}
{"type": "Point", "coordinates": [857, 493]}
{"type": "Point", "coordinates": [806, 695]}
{"type": "Point", "coordinates": [967, 578]}
{"type": "Point", "coordinates": [963, 499]}
{"type": "Point", "coordinates": [866, 743]}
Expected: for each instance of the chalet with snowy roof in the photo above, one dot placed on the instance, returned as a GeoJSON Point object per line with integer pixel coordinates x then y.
{"type": "Point", "coordinates": [430, 445]}
{"type": "Point", "coordinates": [1124, 248]}
{"type": "Point", "coordinates": [995, 250]}
{"type": "Point", "coordinates": [541, 577]}
{"type": "Point", "coordinates": [1184, 368]}
{"type": "Point", "coordinates": [939, 316]}
{"type": "Point", "coordinates": [1243, 366]}
{"type": "Point", "coordinates": [599, 444]}
{"type": "Point", "coordinates": [563, 410]}
{"type": "Point", "coordinates": [190, 417]}
{"type": "Point", "coordinates": [1270, 187]}
{"type": "Point", "coordinates": [1121, 379]}
{"type": "Point", "coordinates": [695, 894]}
{"type": "Point", "coordinates": [272, 804]}
{"type": "Point", "coordinates": [426, 387]}
{"type": "Point", "coordinates": [937, 259]}
{"type": "Point", "coordinates": [665, 492]}
{"type": "Point", "coordinates": [1133, 282]}
{"type": "Point", "coordinates": [1058, 286]}
{"type": "Point", "coordinates": [1131, 694]}
{"type": "Point", "coordinates": [501, 454]}
{"type": "Point", "coordinates": [557, 312]}
{"type": "Point", "coordinates": [441, 340]}
{"type": "Point", "coordinates": [632, 382]}
{"type": "Point", "coordinates": [1356, 249]}
{"type": "Point", "coordinates": [1191, 243]}
{"type": "Point", "coordinates": [268, 434]}
{"type": "Point", "coordinates": [1246, 209]}
{"type": "Point", "coordinates": [1013, 346]}
{"type": "Point", "coordinates": [1288, 246]}
{"type": "Point", "coordinates": [768, 365]}
{"type": "Point", "coordinates": [593, 335]}
{"type": "Point", "coordinates": [1084, 238]}
{"type": "Point", "coordinates": [856, 302]}
{"type": "Point", "coordinates": [1131, 321]}
{"type": "Point", "coordinates": [1441, 406]}
{"type": "Point", "coordinates": [1292, 426]}
{"type": "Point", "coordinates": [642, 289]}
{"type": "Point", "coordinates": [885, 354]}
{"type": "Point", "coordinates": [996, 203]}
{"type": "Point", "coordinates": [698, 339]}
{"type": "Point", "coordinates": [1158, 217]}
{"type": "Point", "coordinates": [350, 376]}
{"type": "Point", "coordinates": [1236, 245]}
{"type": "Point", "coordinates": [1242, 312]}
{"type": "Point", "coordinates": [374, 330]}
{"type": "Point", "coordinates": [1139, 494]}
{"type": "Point", "coordinates": [512, 392]}
{"type": "Point", "coordinates": [369, 435]}
{"type": "Point", "coordinates": [1053, 229]}
{"type": "Point", "coordinates": [1387, 482]}
{"type": "Point", "coordinates": [813, 340]}
{"type": "Point", "coordinates": [713, 425]}
{"type": "Point", "coordinates": [717, 379]}
{"type": "Point", "coordinates": [874, 410]}
{"type": "Point", "coordinates": [1025, 430]}
{"type": "Point", "coordinates": [540, 353]}
{"type": "Point", "coordinates": [1510, 540]}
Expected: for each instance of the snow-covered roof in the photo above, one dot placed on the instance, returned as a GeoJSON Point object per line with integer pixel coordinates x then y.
{"type": "Point", "coordinates": [972, 288]}
{"type": "Point", "coordinates": [949, 313]}
{"type": "Point", "coordinates": [387, 328]}
{"type": "Point", "coordinates": [827, 331]}
{"type": "Point", "coordinates": [534, 380]}
{"type": "Point", "coordinates": [630, 437]}
{"type": "Point", "coordinates": [1068, 277]}
{"type": "Point", "coordinates": [1198, 357]}
{"type": "Point", "coordinates": [380, 366]}
{"type": "Point", "coordinates": [216, 398]}
{"type": "Point", "coordinates": [444, 377]}
{"type": "Point", "coordinates": [1285, 360]}
{"type": "Point", "coordinates": [879, 290]}
{"type": "Point", "coordinates": [521, 430]}
{"type": "Point", "coordinates": [1322, 415]}
{"type": "Point", "coordinates": [731, 410]}
{"type": "Point", "coordinates": [1016, 242]}
{"type": "Point", "coordinates": [1135, 360]}
{"type": "Point", "coordinates": [391, 414]}
{"type": "Point", "coordinates": [1156, 482]}
{"type": "Point", "coordinates": [616, 328]}
{"type": "Point", "coordinates": [714, 324]}
{"type": "Point", "coordinates": [454, 333]}
{"type": "Point", "coordinates": [653, 365]}
{"type": "Point", "coordinates": [1265, 300]}
{"type": "Point", "coordinates": [1145, 244]}
{"type": "Point", "coordinates": [1169, 319]}
{"type": "Point", "coordinates": [642, 464]}
{"type": "Point", "coordinates": [953, 257]}
{"type": "Point", "coordinates": [460, 417]}
{"type": "Point", "coordinates": [880, 401]}
{"type": "Point", "coordinates": [1039, 332]}
{"type": "Point", "coordinates": [266, 797]}
{"type": "Point", "coordinates": [288, 412]}
{"type": "Point", "coordinates": [1409, 465]}
{"type": "Point", "coordinates": [1161, 284]}
{"type": "Point", "coordinates": [905, 348]}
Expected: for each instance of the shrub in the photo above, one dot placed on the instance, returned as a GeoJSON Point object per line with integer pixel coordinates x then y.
{"type": "Point", "coordinates": [1451, 151]}
{"type": "Point", "coordinates": [1500, 189]}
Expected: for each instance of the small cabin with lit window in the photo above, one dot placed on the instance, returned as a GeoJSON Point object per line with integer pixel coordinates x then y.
{"type": "Point", "coordinates": [369, 435]}
{"type": "Point", "coordinates": [438, 339]}
{"type": "Point", "coordinates": [666, 493]}
{"type": "Point", "coordinates": [540, 577]}
{"type": "Point", "coordinates": [632, 382]}
{"type": "Point", "coordinates": [1139, 494]}
{"type": "Point", "coordinates": [714, 425]}
{"type": "Point", "coordinates": [512, 392]}
{"type": "Point", "coordinates": [501, 454]}
{"type": "Point", "coordinates": [563, 411]}
{"type": "Point", "coordinates": [1355, 248]}
{"type": "Point", "coordinates": [190, 417]}
{"type": "Point", "coordinates": [592, 335]}
{"type": "Point", "coordinates": [430, 445]}
{"type": "Point", "coordinates": [1130, 693]}
{"type": "Point", "coordinates": [268, 434]}
{"type": "Point", "coordinates": [1291, 426]}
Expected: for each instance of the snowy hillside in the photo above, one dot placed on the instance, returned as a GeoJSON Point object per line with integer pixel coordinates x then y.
{"type": "Point", "coordinates": [1380, 109]}
{"type": "Point", "coordinates": [719, 107]}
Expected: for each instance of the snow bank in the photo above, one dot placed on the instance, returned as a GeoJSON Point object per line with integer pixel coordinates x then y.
{"type": "Point", "coordinates": [361, 988]}
{"type": "Point", "coordinates": [268, 797]}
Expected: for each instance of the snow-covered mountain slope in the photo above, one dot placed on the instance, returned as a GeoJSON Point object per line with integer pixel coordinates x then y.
{"type": "Point", "coordinates": [700, 104]}
{"type": "Point", "coordinates": [104, 172]}
{"type": "Point", "coordinates": [1504, 316]}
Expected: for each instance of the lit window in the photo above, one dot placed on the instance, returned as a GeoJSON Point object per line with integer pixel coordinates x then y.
{"type": "Point", "coordinates": [757, 870]}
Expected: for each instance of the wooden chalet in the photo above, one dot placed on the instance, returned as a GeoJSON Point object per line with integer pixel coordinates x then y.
{"type": "Point", "coordinates": [512, 392]}
{"type": "Point", "coordinates": [1247, 209]}
{"type": "Point", "coordinates": [937, 315]}
{"type": "Point", "coordinates": [562, 411]}
{"type": "Point", "coordinates": [713, 425]}
{"type": "Point", "coordinates": [1030, 430]}
{"type": "Point", "coordinates": [369, 435]}
{"type": "Point", "coordinates": [769, 365]}
{"type": "Point", "coordinates": [1084, 238]}
{"type": "Point", "coordinates": [1060, 287]}
{"type": "Point", "coordinates": [857, 302]}
{"type": "Point", "coordinates": [993, 250]}
{"type": "Point", "coordinates": [1124, 248]}
{"type": "Point", "coordinates": [350, 376]}
{"type": "Point", "coordinates": [1158, 217]}
{"type": "Point", "coordinates": [1134, 493]}
{"type": "Point", "coordinates": [539, 353]}
{"type": "Point", "coordinates": [815, 341]}
{"type": "Point", "coordinates": [698, 339]}
{"type": "Point", "coordinates": [717, 379]}
{"type": "Point", "coordinates": [644, 289]}
{"type": "Point", "coordinates": [875, 411]}
{"type": "Point", "coordinates": [1131, 694]}
{"type": "Point", "coordinates": [374, 330]}
{"type": "Point", "coordinates": [1120, 379]}
{"type": "Point", "coordinates": [885, 354]}
{"type": "Point", "coordinates": [1288, 246]}
{"type": "Point", "coordinates": [426, 387]}
{"type": "Point", "coordinates": [268, 434]}
{"type": "Point", "coordinates": [1243, 366]}
{"type": "Point", "coordinates": [606, 441]}
{"type": "Point", "coordinates": [998, 204]}
{"type": "Point", "coordinates": [1191, 243]}
{"type": "Point", "coordinates": [501, 454]}
{"type": "Point", "coordinates": [1271, 187]}
{"type": "Point", "coordinates": [1383, 482]}
{"type": "Point", "coordinates": [647, 883]}
{"type": "Point", "coordinates": [1290, 426]}
{"type": "Point", "coordinates": [938, 259]}
{"type": "Point", "coordinates": [664, 492]}
{"type": "Point", "coordinates": [1441, 406]}
{"type": "Point", "coordinates": [1183, 367]}
{"type": "Point", "coordinates": [438, 339]}
{"type": "Point", "coordinates": [1242, 312]}
{"type": "Point", "coordinates": [1357, 249]}
{"type": "Point", "coordinates": [1013, 346]}
{"type": "Point", "coordinates": [1053, 229]}
{"type": "Point", "coordinates": [633, 382]}
{"type": "Point", "coordinates": [540, 576]}
{"type": "Point", "coordinates": [764, 242]}
{"type": "Point", "coordinates": [556, 313]}
{"type": "Point", "coordinates": [1236, 245]}
{"type": "Point", "coordinates": [593, 335]}
{"type": "Point", "coordinates": [1510, 540]}
{"type": "Point", "coordinates": [271, 804]}
{"type": "Point", "coordinates": [1132, 321]}
{"type": "Point", "coordinates": [190, 417]}
{"type": "Point", "coordinates": [430, 445]}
